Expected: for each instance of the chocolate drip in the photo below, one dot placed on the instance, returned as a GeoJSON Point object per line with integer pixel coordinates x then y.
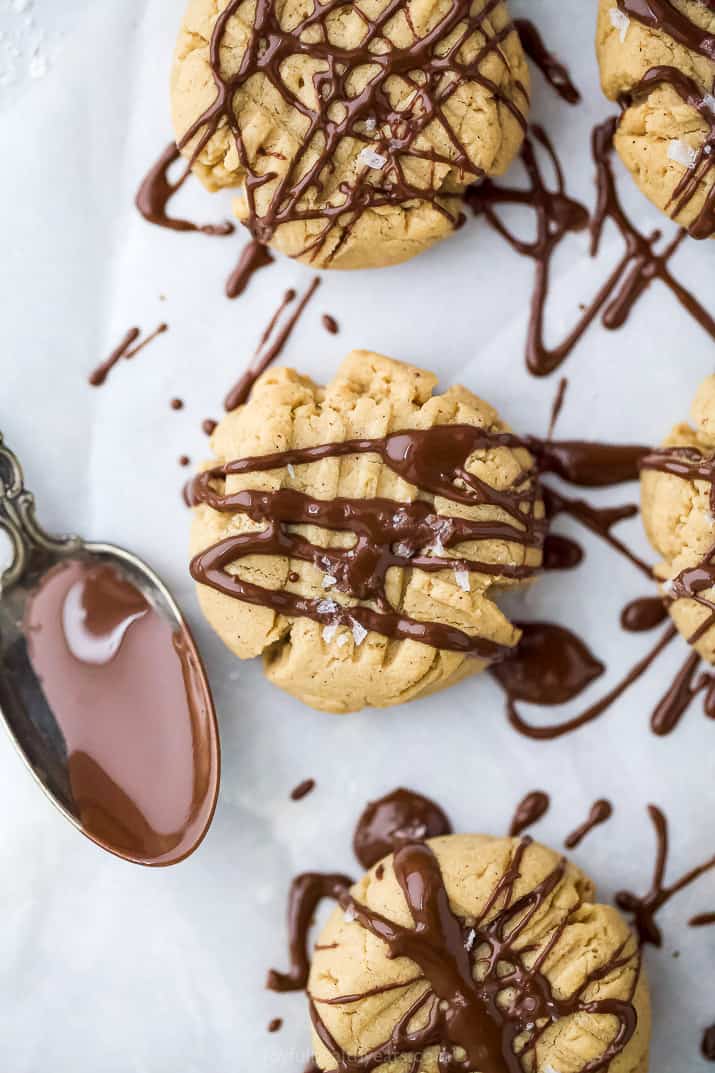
{"type": "Point", "coordinates": [330, 324]}
{"type": "Point", "coordinates": [557, 216]}
{"type": "Point", "coordinates": [599, 520]}
{"type": "Point", "coordinates": [645, 907]}
{"type": "Point", "coordinates": [554, 71]}
{"type": "Point", "coordinates": [306, 893]}
{"type": "Point", "coordinates": [275, 1025]}
{"type": "Point", "coordinates": [557, 406]}
{"type": "Point", "coordinates": [127, 349]}
{"type": "Point", "coordinates": [601, 811]}
{"type": "Point", "coordinates": [551, 666]}
{"type": "Point", "coordinates": [302, 790]}
{"type": "Point", "coordinates": [644, 614]}
{"type": "Point", "coordinates": [402, 816]}
{"type": "Point", "coordinates": [529, 811]}
{"type": "Point", "coordinates": [209, 426]}
{"type": "Point", "coordinates": [263, 357]}
{"type": "Point", "coordinates": [177, 404]}
{"type": "Point", "coordinates": [484, 995]}
{"type": "Point", "coordinates": [339, 113]}
{"type": "Point", "coordinates": [663, 15]}
{"type": "Point", "coordinates": [703, 226]}
{"type": "Point", "coordinates": [157, 190]}
{"type": "Point", "coordinates": [708, 1044]}
{"type": "Point", "coordinates": [254, 256]}
{"type": "Point", "coordinates": [685, 687]}
{"type": "Point", "coordinates": [561, 553]}
{"type": "Point", "coordinates": [703, 920]}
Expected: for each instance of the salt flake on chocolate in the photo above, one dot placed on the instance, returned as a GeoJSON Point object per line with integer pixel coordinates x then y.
{"type": "Point", "coordinates": [359, 632]}
{"type": "Point", "coordinates": [370, 159]}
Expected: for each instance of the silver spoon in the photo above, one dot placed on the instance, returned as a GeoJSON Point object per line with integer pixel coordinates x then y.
{"type": "Point", "coordinates": [143, 784]}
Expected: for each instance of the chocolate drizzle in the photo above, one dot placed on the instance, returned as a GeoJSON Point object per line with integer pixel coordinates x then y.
{"type": "Point", "coordinates": [127, 349]}
{"type": "Point", "coordinates": [253, 257]}
{"type": "Point", "coordinates": [601, 811]}
{"type": "Point", "coordinates": [265, 355]}
{"type": "Point", "coordinates": [558, 215]}
{"type": "Point", "coordinates": [529, 811]}
{"type": "Point", "coordinates": [306, 893]}
{"type": "Point", "coordinates": [551, 67]}
{"type": "Point", "coordinates": [697, 173]}
{"type": "Point", "coordinates": [157, 190]}
{"type": "Point", "coordinates": [702, 920]}
{"type": "Point", "coordinates": [663, 15]}
{"type": "Point", "coordinates": [707, 1046]}
{"type": "Point", "coordinates": [389, 533]}
{"type": "Point", "coordinates": [483, 994]}
{"type": "Point", "coordinates": [643, 614]}
{"type": "Point", "coordinates": [302, 789]}
{"type": "Point", "coordinates": [645, 907]}
{"type": "Point", "coordinates": [399, 817]}
{"type": "Point", "coordinates": [339, 113]}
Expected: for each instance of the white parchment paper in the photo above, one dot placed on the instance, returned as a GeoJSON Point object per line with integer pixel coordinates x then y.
{"type": "Point", "coordinates": [108, 968]}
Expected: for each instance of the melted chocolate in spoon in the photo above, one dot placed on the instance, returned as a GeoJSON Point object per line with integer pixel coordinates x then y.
{"type": "Point", "coordinates": [131, 705]}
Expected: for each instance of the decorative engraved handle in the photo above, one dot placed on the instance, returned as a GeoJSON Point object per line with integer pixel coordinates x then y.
{"type": "Point", "coordinates": [18, 520]}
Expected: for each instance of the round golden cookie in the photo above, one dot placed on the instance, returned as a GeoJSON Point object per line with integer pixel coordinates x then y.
{"type": "Point", "coordinates": [333, 664]}
{"type": "Point", "coordinates": [350, 130]}
{"type": "Point", "coordinates": [678, 517]}
{"type": "Point", "coordinates": [666, 135]}
{"type": "Point", "coordinates": [516, 910]}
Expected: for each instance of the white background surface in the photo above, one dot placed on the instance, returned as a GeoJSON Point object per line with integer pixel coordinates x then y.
{"type": "Point", "coordinates": [107, 968]}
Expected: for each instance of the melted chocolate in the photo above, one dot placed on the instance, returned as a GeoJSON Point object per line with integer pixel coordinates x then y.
{"type": "Point", "coordinates": [645, 907]}
{"type": "Point", "coordinates": [209, 426]}
{"type": "Point", "coordinates": [254, 256]}
{"type": "Point", "coordinates": [157, 190]}
{"type": "Point", "coordinates": [302, 790]}
{"type": "Point", "coordinates": [390, 533]}
{"type": "Point", "coordinates": [684, 688]}
{"type": "Point", "coordinates": [483, 1016]}
{"type": "Point", "coordinates": [265, 355]}
{"type": "Point", "coordinates": [708, 1044]}
{"type": "Point", "coordinates": [184, 460]}
{"type": "Point", "coordinates": [599, 520]}
{"type": "Point", "coordinates": [338, 113]}
{"type": "Point", "coordinates": [275, 1025]}
{"type": "Point", "coordinates": [557, 216]}
{"type": "Point", "coordinates": [131, 702]}
{"type": "Point", "coordinates": [177, 404]}
{"type": "Point", "coordinates": [330, 324]}
{"type": "Point", "coordinates": [557, 406]}
{"type": "Point", "coordinates": [551, 67]}
{"type": "Point", "coordinates": [561, 553]}
{"type": "Point", "coordinates": [306, 893]}
{"type": "Point", "coordinates": [644, 614]}
{"type": "Point", "coordinates": [127, 349]}
{"type": "Point", "coordinates": [702, 920]}
{"type": "Point", "coordinates": [551, 666]}
{"type": "Point", "coordinates": [402, 816]}
{"type": "Point", "coordinates": [601, 811]}
{"type": "Point", "coordinates": [663, 15]}
{"type": "Point", "coordinates": [529, 811]}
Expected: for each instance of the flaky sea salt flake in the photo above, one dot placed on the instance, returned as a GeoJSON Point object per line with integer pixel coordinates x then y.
{"type": "Point", "coordinates": [359, 632]}
{"type": "Point", "coordinates": [349, 915]}
{"type": "Point", "coordinates": [370, 159]}
{"type": "Point", "coordinates": [329, 632]}
{"type": "Point", "coordinates": [329, 581]}
{"type": "Point", "coordinates": [621, 22]}
{"type": "Point", "coordinates": [462, 579]}
{"type": "Point", "coordinates": [682, 153]}
{"type": "Point", "coordinates": [326, 607]}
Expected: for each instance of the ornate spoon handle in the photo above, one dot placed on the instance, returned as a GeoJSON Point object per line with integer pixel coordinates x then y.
{"type": "Point", "coordinates": [18, 520]}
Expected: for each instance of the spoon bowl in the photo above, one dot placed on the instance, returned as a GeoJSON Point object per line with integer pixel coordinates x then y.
{"type": "Point", "coordinates": [102, 688]}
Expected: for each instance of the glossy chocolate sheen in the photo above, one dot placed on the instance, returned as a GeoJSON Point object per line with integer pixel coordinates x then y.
{"type": "Point", "coordinates": [399, 817]}
{"type": "Point", "coordinates": [132, 704]}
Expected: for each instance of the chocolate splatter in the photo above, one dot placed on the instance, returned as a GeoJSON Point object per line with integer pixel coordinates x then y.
{"type": "Point", "coordinates": [601, 811]}
{"type": "Point", "coordinates": [157, 190]}
{"type": "Point", "coordinates": [645, 907]}
{"type": "Point", "coordinates": [254, 256]}
{"type": "Point", "coordinates": [265, 355]}
{"type": "Point", "coordinates": [177, 404]}
{"type": "Point", "coordinates": [306, 893]}
{"type": "Point", "coordinates": [209, 426]}
{"type": "Point", "coordinates": [302, 790]}
{"type": "Point", "coordinates": [127, 349]}
{"type": "Point", "coordinates": [643, 614]}
{"type": "Point", "coordinates": [551, 67]}
{"type": "Point", "coordinates": [558, 215]}
{"type": "Point", "coordinates": [529, 811]}
{"type": "Point", "coordinates": [399, 817]}
{"type": "Point", "coordinates": [707, 1046]}
{"type": "Point", "coordinates": [275, 1025]}
{"type": "Point", "coordinates": [330, 324]}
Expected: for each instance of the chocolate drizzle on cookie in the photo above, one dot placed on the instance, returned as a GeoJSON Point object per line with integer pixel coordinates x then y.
{"type": "Point", "coordinates": [558, 215]}
{"type": "Point", "coordinates": [664, 15]}
{"type": "Point", "coordinates": [645, 907]}
{"type": "Point", "coordinates": [484, 997]}
{"type": "Point", "coordinates": [392, 137]}
{"type": "Point", "coordinates": [399, 817]}
{"type": "Point", "coordinates": [306, 893]}
{"type": "Point", "coordinates": [389, 533]}
{"type": "Point", "coordinates": [253, 257]}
